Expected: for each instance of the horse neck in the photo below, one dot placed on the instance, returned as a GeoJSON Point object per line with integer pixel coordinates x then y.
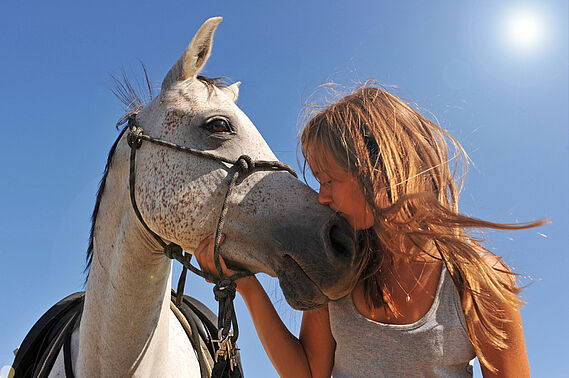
{"type": "Point", "coordinates": [125, 323]}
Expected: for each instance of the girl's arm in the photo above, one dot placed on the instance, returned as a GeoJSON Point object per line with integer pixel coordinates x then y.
{"type": "Point", "coordinates": [311, 355]}
{"type": "Point", "coordinates": [319, 345]}
{"type": "Point", "coordinates": [513, 361]}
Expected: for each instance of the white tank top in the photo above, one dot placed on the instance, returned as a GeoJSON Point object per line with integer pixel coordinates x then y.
{"type": "Point", "coordinates": [437, 345]}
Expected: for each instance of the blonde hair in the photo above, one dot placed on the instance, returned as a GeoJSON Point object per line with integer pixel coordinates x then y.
{"type": "Point", "coordinates": [401, 160]}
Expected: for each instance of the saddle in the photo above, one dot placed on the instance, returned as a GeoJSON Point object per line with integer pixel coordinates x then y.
{"type": "Point", "coordinates": [41, 346]}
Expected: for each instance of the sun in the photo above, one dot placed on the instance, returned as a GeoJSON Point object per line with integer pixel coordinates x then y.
{"type": "Point", "coordinates": [524, 29]}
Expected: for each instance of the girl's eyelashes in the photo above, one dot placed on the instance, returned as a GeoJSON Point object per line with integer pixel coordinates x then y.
{"type": "Point", "coordinates": [323, 180]}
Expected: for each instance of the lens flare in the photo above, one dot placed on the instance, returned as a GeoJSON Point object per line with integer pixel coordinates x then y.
{"type": "Point", "coordinates": [7, 371]}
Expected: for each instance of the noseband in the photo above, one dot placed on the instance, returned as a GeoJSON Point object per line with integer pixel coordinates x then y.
{"type": "Point", "coordinates": [225, 287]}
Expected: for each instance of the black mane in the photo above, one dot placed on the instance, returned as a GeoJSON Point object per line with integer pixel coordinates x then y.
{"type": "Point", "coordinates": [100, 191]}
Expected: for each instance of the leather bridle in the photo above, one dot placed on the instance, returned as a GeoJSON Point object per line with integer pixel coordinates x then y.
{"type": "Point", "coordinates": [225, 287]}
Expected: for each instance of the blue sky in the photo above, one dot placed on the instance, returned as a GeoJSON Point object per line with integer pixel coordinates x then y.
{"type": "Point", "coordinates": [504, 97]}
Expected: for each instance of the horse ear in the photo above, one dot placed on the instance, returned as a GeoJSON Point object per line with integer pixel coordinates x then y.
{"type": "Point", "coordinates": [232, 91]}
{"type": "Point", "coordinates": [196, 55]}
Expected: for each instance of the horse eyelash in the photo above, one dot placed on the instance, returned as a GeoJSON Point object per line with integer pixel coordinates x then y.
{"type": "Point", "coordinates": [230, 128]}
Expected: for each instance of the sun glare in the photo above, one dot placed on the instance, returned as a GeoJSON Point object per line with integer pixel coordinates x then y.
{"type": "Point", "coordinates": [524, 29]}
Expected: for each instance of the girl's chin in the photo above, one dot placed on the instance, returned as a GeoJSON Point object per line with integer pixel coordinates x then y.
{"type": "Point", "coordinates": [357, 224]}
{"type": "Point", "coordinates": [349, 219]}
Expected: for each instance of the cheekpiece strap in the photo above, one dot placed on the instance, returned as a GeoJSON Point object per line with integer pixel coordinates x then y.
{"type": "Point", "coordinates": [225, 287]}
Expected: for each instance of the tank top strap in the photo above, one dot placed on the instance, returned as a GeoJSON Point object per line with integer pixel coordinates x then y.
{"type": "Point", "coordinates": [449, 299]}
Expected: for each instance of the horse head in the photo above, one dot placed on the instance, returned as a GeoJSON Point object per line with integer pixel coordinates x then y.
{"type": "Point", "coordinates": [274, 223]}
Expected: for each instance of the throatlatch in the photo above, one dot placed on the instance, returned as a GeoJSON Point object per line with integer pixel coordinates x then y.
{"type": "Point", "coordinates": [225, 287]}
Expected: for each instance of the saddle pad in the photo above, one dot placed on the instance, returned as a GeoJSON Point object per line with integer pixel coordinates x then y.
{"type": "Point", "coordinates": [42, 344]}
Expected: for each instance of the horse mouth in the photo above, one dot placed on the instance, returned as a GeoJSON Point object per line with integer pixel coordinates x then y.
{"type": "Point", "coordinates": [300, 291]}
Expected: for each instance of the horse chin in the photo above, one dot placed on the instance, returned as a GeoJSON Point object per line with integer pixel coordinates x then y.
{"type": "Point", "coordinates": [300, 292]}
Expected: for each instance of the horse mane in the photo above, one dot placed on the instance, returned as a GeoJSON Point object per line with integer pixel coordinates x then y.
{"type": "Point", "coordinates": [134, 98]}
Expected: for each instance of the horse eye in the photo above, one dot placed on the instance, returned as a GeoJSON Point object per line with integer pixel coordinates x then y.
{"type": "Point", "coordinates": [218, 125]}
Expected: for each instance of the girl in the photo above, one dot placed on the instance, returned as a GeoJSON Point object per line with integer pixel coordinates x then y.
{"type": "Point", "coordinates": [429, 297]}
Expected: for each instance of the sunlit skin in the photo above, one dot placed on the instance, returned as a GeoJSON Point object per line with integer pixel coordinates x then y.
{"type": "Point", "coordinates": [312, 353]}
{"type": "Point", "coordinates": [341, 191]}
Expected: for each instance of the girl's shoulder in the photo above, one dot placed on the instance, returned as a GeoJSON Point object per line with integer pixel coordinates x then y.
{"type": "Point", "coordinates": [502, 270]}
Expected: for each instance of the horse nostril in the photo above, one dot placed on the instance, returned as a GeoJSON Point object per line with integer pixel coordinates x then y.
{"type": "Point", "coordinates": [341, 241]}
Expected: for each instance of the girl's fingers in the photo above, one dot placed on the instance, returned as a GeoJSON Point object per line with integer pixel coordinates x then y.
{"type": "Point", "coordinates": [204, 254]}
{"type": "Point", "coordinates": [205, 243]}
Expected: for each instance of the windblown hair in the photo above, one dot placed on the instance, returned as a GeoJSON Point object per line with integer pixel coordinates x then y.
{"type": "Point", "coordinates": [401, 160]}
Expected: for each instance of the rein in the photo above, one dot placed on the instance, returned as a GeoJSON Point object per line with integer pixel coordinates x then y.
{"type": "Point", "coordinates": [225, 287]}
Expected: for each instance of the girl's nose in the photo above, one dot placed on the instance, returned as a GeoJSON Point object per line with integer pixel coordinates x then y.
{"type": "Point", "coordinates": [324, 197]}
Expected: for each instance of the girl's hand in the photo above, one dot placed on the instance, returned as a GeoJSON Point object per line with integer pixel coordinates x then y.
{"type": "Point", "coordinates": [204, 255]}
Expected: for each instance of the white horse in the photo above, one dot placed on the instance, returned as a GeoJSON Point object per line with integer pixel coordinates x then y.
{"type": "Point", "coordinates": [274, 225]}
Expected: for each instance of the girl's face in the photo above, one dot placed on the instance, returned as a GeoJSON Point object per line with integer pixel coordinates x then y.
{"type": "Point", "coordinates": [341, 191]}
